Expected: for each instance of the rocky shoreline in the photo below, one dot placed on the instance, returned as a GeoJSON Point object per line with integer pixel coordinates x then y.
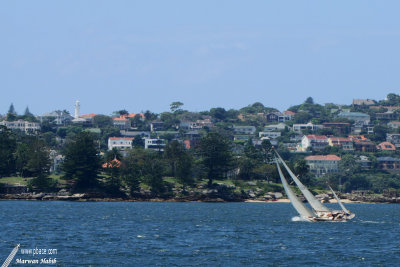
{"type": "Point", "coordinates": [205, 196]}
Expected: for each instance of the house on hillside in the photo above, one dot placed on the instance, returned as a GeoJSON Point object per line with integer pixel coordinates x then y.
{"type": "Point", "coordinates": [389, 164]}
{"type": "Point", "coordinates": [122, 123]}
{"type": "Point", "coordinates": [341, 128]}
{"type": "Point", "coordinates": [120, 143]}
{"type": "Point", "coordinates": [321, 165]}
{"type": "Point", "coordinates": [386, 116]}
{"type": "Point", "coordinates": [315, 142]}
{"type": "Point", "coordinates": [394, 139]}
{"type": "Point", "coordinates": [343, 143]}
{"type": "Point", "coordinates": [244, 130]}
{"type": "Point", "coordinates": [361, 102]}
{"type": "Point", "coordinates": [156, 126]}
{"type": "Point", "coordinates": [386, 146]}
{"type": "Point", "coordinates": [25, 126]}
{"type": "Point", "coordinates": [394, 124]}
{"type": "Point", "coordinates": [299, 128]}
{"type": "Point", "coordinates": [60, 117]}
{"type": "Point", "coordinates": [155, 144]}
{"type": "Point", "coordinates": [356, 117]}
{"type": "Point", "coordinates": [275, 127]}
{"type": "Point", "coordinates": [365, 146]}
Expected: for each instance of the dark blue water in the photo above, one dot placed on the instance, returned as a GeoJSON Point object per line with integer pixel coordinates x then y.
{"type": "Point", "coordinates": [197, 234]}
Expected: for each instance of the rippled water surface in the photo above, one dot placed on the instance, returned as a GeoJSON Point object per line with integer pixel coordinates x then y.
{"type": "Point", "coordinates": [197, 234]}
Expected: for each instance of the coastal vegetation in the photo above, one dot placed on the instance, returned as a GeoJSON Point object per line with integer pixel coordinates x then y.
{"type": "Point", "coordinates": [216, 158]}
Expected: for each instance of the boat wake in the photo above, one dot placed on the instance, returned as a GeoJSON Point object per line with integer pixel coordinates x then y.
{"type": "Point", "coordinates": [299, 219]}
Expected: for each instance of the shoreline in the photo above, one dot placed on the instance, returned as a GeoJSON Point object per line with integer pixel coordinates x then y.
{"type": "Point", "coordinates": [217, 200]}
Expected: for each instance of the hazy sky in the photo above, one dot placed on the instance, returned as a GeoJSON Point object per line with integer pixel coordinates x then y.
{"type": "Point", "coordinates": [140, 55]}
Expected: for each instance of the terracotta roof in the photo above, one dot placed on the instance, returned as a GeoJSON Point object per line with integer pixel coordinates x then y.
{"type": "Point", "coordinates": [386, 146]}
{"type": "Point", "coordinates": [112, 164]}
{"type": "Point", "coordinates": [91, 115]}
{"type": "Point", "coordinates": [322, 157]}
{"type": "Point", "coordinates": [121, 138]}
{"type": "Point", "coordinates": [320, 137]}
{"type": "Point", "coordinates": [132, 115]}
{"type": "Point", "coordinates": [288, 112]}
{"type": "Point", "coordinates": [357, 137]}
{"type": "Point", "coordinates": [120, 119]}
{"type": "Point", "coordinates": [340, 139]}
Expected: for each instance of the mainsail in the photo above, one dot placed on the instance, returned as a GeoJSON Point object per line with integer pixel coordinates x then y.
{"type": "Point", "coordinates": [297, 204]}
{"type": "Point", "coordinates": [339, 202]}
{"type": "Point", "coordinates": [314, 202]}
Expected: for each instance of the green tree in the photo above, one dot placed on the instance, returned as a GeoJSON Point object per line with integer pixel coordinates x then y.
{"type": "Point", "coordinates": [102, 121]}
{"type": "Point", "coordinates": [132, 169]}
{"type": "Point", "coordinates": [348, 165]}
{"type": "Point", "coordinates": [21, 159]}
{"type": "Point", "coordinates": [38, 163]}
{"type": "Point", "coordinates": [309, 100]}
{"type": "Point", "coordinates": [82, 163]}
{"type": "Point", "coordinates": [180, 162]}
{"type": "Point", "coordinates": [113, 163]}
{"type": "Point", "coordinates": [176, 106]}
{"type": "Point", "coordinates": [153, 171]}
{"type": "Point", "coordinates": [216, 156]}
{"type": "Point", "coordinates": [8, 147]}
{"type": "Point", "coordinates": [11, 110]}
{"type": "Point", "coordinates": [302, 117]}
{"type": "Point", "coordinates": [218, 113]}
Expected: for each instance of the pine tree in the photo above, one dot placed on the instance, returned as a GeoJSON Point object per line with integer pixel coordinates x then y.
{"type": "Point", "coordinates": [82, 163]}
{"type": "Point", "coordinates": [11, 110]}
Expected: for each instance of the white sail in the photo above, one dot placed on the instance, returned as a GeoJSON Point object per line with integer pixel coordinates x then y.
{"type": "Point", "coordinates": [297, 204]}
{"type": "Point", "coordinates": [339, 202]}
{"type": "Point", "coordinates": [314, 202]}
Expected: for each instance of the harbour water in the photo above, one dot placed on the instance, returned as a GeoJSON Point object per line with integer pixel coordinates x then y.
{"type": "Point", "coordinates": [194, 234]}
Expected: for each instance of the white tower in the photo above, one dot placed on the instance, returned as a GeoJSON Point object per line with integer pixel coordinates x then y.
{"type": "Point", "coordinates": [77, 108]}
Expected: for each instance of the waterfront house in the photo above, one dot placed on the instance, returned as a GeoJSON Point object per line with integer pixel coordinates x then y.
{"type": "Point", "coordinates": [323, 164]}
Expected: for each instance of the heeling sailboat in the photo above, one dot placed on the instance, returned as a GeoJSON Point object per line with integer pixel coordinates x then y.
{"type": "Point", "coordinates": [319, 212]}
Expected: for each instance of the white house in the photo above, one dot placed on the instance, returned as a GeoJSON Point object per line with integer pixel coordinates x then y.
{"type": "Point", "coordinates": [298, 128]}
{"type": "Point", "coordinates": [25, 126]}
{"type": "Point", "coordinates": [316, 142]}
{"type": "Point", "coordinates": [121, 143]}
{"type": "Point", "coordinates": [275, 127]}
{"type": "Point", "coordinates": [156, 144]}
{"type": "Point", "coordinates": [321, 165]}
{"type": "Point", "coordinates": [244, 129]}
{"type": "Point", "coordinates": [272, 135]}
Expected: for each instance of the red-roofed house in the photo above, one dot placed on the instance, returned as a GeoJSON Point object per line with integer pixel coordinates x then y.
{"type": "Point", "coordinates": [321, 165]}
{"type": "Point", "coordinates": [122, 123]}
{"type": "Point", "coordinates": [132, 115]}
{"type": "Point", "coordinates": [316, 142]}
{"type": "Point", "coordinates": [386, 146]}
{"type": "Point", "coordinates": [91, 115]}
{"type": "Point", "coordinates": [112, 164]}
{"type": "Point", "coordinates": [343, 143]}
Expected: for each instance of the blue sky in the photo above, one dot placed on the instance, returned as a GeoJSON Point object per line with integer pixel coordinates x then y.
{"type": "Point", "coordinates": [143, 55]}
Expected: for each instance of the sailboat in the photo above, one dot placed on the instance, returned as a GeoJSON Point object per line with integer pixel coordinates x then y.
{"type": "Point", "coordinates": [318, 211]}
